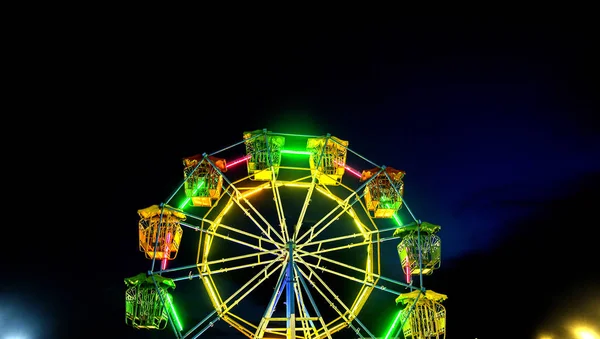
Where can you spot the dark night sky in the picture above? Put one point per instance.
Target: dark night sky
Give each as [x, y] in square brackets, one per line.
[493, 119]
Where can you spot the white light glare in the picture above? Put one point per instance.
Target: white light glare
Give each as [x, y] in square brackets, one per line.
[585, 333]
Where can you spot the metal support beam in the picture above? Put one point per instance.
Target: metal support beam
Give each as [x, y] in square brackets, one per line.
[410, 310]
[312, 302]
[200, 324]
[236, 199]
[164, 306]
[419, 244]
[260, 330]
[290, 288]
[310, 189]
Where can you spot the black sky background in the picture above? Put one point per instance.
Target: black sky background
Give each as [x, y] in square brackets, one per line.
[493, 118]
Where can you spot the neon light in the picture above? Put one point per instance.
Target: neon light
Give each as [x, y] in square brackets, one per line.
[173, 313]
[352, 171]
[193, 194]
[397, 218]
[407, 266]
[211, 291]
[238, 161]
[393, 325]
[249, 193]
[289, 151]
[349, 169]
[163, 264]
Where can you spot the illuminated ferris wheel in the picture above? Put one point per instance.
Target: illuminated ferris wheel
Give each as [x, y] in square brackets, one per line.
[289, 247]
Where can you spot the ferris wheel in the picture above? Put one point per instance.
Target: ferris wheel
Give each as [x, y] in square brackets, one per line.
[290, 247]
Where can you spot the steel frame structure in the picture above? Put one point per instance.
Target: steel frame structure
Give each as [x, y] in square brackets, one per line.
[288, 248]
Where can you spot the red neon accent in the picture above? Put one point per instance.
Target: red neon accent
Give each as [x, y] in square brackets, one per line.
[407, 265]
[348, 168]
[163, 264]
[352, 171]
[238, 161]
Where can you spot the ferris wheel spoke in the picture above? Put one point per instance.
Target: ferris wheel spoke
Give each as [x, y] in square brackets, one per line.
[226, 306]
[339, 248]
[360, 281]
[360, 270]
[239, 267]
[344, 204]
[314, 231]
[219, 261]
[300, 286]
[314, 305]
[307, 322]
[365, 233]
[237, 320]
[270, 228]
[279, 208]
[310, 232]
[367, 241]
[221, 307]
[248, 234]
[335, 296]
[208, 241]
[223, 270]
[325, 297]
[235, 198]
[233, 268]
[311, 189]
[239, 257]
[244, 197]
[348, 316]
[264, 321]
[302, 311]
[237, 195]
[339, 263]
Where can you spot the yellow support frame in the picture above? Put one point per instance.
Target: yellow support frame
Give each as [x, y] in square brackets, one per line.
[244, 191]
[284, 248]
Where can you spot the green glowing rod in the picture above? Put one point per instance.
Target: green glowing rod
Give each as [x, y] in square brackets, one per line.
[173, 313]
[393, 324]
[189, 198]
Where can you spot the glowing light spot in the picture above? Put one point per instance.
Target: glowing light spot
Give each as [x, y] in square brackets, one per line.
[585, 333]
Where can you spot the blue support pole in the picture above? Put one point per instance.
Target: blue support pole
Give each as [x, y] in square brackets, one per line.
[314, 305]
[277, 297]
[200, 323]
[236, 144]
[290, 288]
[360, 156]
[211, 324]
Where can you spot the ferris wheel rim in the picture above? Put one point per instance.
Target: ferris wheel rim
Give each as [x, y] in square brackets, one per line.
[278, 259]
[348, 313]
